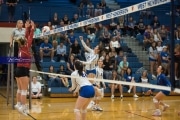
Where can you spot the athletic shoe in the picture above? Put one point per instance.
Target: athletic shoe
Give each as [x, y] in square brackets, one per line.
[94, 108]
[91, 104]
[49, 89]
[24, 110]
[135, 96]
[98, 108]
[112, 96]
[165, 107]
[17, 106]
[129, 91]
[157, 113]
[121, 97]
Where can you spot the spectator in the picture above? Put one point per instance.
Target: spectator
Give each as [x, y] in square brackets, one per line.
[123, 66]
[130, 78]
[156, 36]
[153, 55]
[155, 23]
[114, 86]
[35, 88]
[66, 20]
[75, 19]
[75, 49]
[70, 64]
[117, 31]
[141, 26]
[159, 48]
[163, 32]
[106, 36]
[92, 32]
[107, 67]
[97, 10]
[46, 49]
[145, 80]
[61, 52]
[37, 31]
[81, 9]
[148, 38]
[72, 38]
[90, 10]
[119, 58]
[115, 44]
[63, 79]
[53, 78]
[11, 9]
[102, 5]
[165, 61]
[49, 24]
[121, 24]
[113, 25]
[131, 25]
[55, 20]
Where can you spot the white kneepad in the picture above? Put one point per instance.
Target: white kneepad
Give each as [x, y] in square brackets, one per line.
[83, 111]
[155, 100]
[76, 110]
[18, 91]
[23, 92]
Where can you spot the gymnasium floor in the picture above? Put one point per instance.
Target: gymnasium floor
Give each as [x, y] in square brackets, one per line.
[62, 109]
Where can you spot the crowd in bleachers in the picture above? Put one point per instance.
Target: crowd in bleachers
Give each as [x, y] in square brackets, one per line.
[63, 48]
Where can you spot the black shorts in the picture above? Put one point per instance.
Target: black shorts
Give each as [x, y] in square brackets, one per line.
[22, 72]
[34, 93]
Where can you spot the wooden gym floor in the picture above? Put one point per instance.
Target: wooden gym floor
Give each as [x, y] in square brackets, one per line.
[117, 109]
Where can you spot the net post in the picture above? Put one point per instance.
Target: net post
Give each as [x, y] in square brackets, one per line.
[12, 78]
[30, 95]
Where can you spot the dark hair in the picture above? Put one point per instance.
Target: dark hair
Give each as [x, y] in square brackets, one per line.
[50, 67]
[162, 69]
[130, 72]
[79, 67]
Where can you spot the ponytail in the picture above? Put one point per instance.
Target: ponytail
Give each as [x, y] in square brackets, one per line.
[79, 67]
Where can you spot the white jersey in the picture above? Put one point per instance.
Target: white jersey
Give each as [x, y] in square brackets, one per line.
[81, 81]
[99, 75]
[35, 87]
[91, 57]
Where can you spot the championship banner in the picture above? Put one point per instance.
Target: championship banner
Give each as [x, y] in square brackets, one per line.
[107, 16]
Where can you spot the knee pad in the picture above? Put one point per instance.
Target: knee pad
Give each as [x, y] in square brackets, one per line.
[83, 111]
[18, 91]
[23, 92]
[76, 110]
[155, 100]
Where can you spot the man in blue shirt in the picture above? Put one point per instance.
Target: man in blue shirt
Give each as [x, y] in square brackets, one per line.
[46, 49]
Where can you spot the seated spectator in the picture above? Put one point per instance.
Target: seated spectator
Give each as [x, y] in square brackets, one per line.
[153, 55]
[70, 64]
[35, 88]
[53, 78]
[123, 66]
[71, 38]
[165, 61]
[55, 20]
[155, 23]
[66, 20]
[91, 32]
[118, 58]
[141, 27]
[114, 86]
[90, 10]
[46, 49]
[75, 19]
[63, 79]
[115, 44]
[121, 23]
[107, 67]
[97, 10]
[61, 52]
[75, 49]
[159, 48]
[163, 32]
[177, 33]
[148, 38]
[145, 80]
[130, 78]
[106, 35]
[81, 9]
[113, 25]
[131, 25]
[156, 36]
[117, 31]
[102, 5]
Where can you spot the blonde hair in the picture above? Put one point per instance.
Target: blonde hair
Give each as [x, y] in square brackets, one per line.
[19, 21]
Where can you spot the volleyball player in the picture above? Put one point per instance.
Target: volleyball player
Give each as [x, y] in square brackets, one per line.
[22, 70]
[99, 75]
[161, 80]
[86, 91]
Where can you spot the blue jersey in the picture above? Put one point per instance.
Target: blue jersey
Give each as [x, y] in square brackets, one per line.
[161, 80]
[128, 77]
[164, 55]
